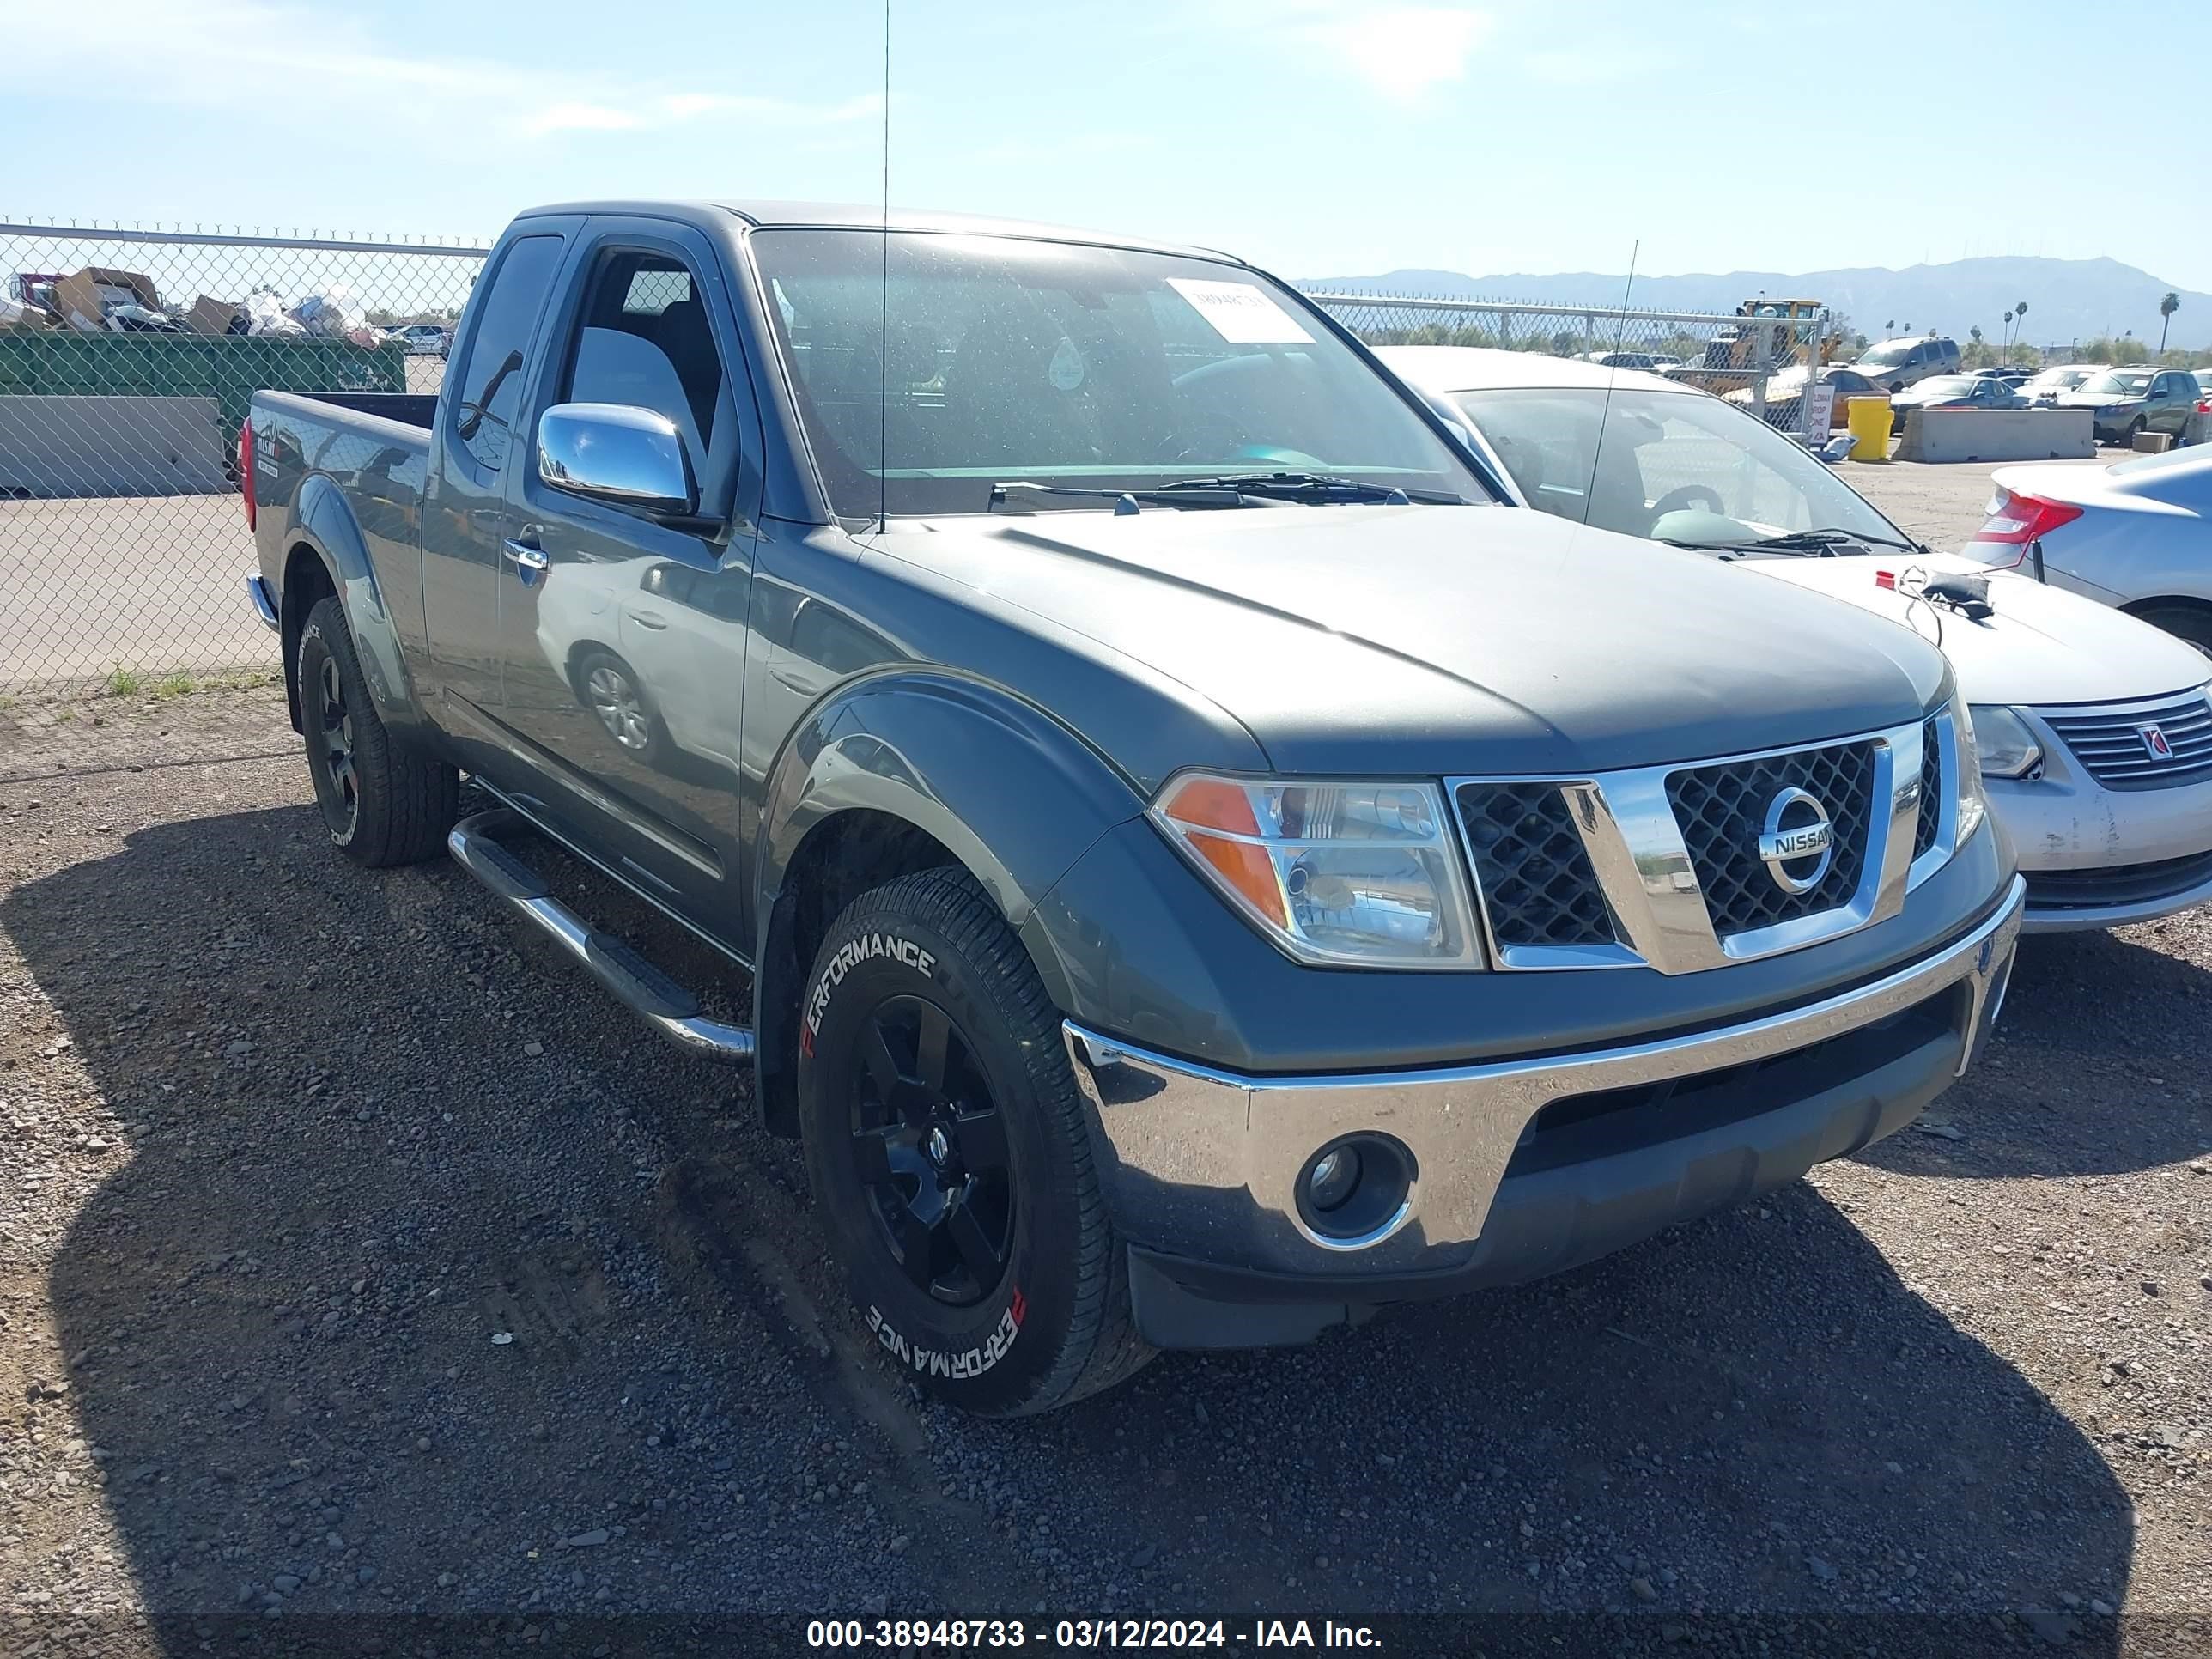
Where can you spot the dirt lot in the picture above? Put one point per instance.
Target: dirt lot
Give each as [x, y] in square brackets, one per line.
[357, 1258]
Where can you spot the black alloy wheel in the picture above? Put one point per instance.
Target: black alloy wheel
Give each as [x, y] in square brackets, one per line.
[929, 1146]
[332, 752]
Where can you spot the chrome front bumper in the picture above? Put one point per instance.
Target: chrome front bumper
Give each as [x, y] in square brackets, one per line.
[1201, 1164]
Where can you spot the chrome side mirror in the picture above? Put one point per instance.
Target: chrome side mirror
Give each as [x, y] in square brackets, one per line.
[617, 453]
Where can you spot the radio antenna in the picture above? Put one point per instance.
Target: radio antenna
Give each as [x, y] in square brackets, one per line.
[1612, 374]
[884, 311]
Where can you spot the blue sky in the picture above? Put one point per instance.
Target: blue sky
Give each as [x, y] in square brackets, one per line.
[1316, 138]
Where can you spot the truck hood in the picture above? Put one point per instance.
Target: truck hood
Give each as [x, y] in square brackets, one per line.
[2043, 646]
[1435, 640]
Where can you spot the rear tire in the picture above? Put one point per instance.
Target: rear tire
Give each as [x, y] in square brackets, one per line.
[383, 802]
[946, 1143]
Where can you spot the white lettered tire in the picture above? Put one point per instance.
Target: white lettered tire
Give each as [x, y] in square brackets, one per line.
[945, 1142]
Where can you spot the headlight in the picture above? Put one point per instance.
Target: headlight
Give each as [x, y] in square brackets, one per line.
[1973, 806]
[1339, 873]
[2002, 743]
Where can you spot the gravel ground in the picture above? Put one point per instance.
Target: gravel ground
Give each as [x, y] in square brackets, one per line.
[356, 1256]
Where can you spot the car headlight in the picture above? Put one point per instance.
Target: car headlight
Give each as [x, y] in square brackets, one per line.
[1973, 805]
[1349, 872]
[2002, 743]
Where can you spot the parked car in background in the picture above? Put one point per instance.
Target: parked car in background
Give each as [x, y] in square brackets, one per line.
[2045, 386]
[1645, 360]
[2112, 827]
[1788, 385]
[1953, 392]
[421, 339]
[2011, 374]
[1200, 863]
[2128, 401]
[2136, 534]
[1894, 365]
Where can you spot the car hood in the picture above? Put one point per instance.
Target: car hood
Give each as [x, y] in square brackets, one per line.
[2098, 399]
[2043, 646]
[1425, 640]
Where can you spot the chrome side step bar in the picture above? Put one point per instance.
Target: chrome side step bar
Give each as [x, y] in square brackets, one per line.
[657, 1000]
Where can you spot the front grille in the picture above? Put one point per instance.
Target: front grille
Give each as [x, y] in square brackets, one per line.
[1721, 809]
[2111, 745]
[1931, 789]
[1537, 884]
[2116, 884]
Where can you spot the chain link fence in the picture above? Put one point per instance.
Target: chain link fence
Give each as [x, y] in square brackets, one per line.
[128, 358]
[1755, 357]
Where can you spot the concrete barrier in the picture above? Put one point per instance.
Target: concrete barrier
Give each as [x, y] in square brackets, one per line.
[71, 445]
[1999, 434]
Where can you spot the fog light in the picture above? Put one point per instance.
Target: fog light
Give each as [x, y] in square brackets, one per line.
[1355, 1192]
[1332, 1178]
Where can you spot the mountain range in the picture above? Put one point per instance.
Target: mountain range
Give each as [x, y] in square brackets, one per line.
[2067, 300]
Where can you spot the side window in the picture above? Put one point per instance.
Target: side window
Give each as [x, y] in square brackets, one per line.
[644, 340]
[492, 375]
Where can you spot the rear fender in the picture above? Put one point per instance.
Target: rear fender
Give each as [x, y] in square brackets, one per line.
[324, 522]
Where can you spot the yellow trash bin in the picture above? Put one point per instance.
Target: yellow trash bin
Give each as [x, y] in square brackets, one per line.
[1870, 425]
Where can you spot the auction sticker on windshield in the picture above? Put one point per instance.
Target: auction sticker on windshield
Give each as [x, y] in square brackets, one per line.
[1241, 313]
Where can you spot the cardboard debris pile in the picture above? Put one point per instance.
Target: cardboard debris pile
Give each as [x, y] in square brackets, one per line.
[100, 301]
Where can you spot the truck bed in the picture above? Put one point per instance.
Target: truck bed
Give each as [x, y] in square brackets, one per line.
[407, 408]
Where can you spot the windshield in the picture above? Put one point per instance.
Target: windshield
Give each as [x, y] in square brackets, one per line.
[1945, 386]
[1888, 356]
[982, 359]
[2061, 379]
[1679, 465]
[2119, 381]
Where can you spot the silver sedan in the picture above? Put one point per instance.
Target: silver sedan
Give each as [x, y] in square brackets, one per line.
[2136, 535]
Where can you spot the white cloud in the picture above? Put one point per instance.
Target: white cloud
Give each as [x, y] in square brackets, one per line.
[1400, 52]
[240, 54]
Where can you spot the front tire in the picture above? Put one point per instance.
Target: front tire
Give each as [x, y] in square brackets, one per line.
[383, 803]
[946, 1143]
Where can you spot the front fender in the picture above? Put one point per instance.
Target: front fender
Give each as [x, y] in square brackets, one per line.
[324, 521]
[1013, 794]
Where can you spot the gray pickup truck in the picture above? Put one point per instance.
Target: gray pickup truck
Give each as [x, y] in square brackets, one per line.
[1205, 869]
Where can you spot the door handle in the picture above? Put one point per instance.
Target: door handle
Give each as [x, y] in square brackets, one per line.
[652, 619]
[529, 556]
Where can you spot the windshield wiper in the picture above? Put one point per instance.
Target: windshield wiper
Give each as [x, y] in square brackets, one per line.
[1814, 544]
[1222, 496]
[1317, 487]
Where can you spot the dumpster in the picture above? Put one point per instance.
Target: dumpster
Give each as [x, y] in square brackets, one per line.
[228, 368]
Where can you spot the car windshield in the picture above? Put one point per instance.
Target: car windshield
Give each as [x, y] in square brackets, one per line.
[2117, 379]
[2062, 380]
[1946, 386]
[928, 368]
[1675, 464]
[1888, 356]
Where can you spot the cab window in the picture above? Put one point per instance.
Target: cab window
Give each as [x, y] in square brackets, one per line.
[643, 340]
[491, 374]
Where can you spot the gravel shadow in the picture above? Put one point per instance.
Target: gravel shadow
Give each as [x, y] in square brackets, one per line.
[2098, 1068]
[378, 1137]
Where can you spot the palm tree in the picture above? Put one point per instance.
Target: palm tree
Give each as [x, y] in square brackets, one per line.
[2018, 311]
[2167, 307]
[2007, 337]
